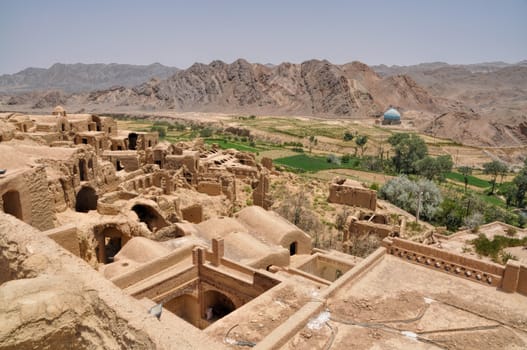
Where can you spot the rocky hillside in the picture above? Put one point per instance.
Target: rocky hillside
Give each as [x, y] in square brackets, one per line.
[81, 77]
[496, 89]
[311, 88]
[473, 129]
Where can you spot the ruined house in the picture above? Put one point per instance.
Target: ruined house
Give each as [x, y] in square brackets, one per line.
[138, 247]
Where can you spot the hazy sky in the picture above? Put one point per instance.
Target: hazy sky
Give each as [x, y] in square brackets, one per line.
[38, 33]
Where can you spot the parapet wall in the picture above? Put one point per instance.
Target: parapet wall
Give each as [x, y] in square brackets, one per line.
[475, 270]
[515, 277]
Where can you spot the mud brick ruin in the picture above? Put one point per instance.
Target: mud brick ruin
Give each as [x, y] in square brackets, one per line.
[99, 225]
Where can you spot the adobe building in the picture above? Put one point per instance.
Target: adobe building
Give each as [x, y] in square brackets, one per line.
[140, 247]
[352, 193]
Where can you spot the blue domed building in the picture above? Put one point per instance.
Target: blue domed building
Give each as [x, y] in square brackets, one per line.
[391, 117]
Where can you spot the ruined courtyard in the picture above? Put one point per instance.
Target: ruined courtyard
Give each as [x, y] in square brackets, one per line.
[100, 225]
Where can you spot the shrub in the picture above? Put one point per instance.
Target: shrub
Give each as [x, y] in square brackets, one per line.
[348, 136]
[506, 256]
[206, 132]
[331, 158]
[486, 247]
[474, 221]
[161, 130]
[511, 232]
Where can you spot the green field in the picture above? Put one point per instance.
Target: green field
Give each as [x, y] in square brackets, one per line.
[240, 146]
[311, 163]
[472, 180]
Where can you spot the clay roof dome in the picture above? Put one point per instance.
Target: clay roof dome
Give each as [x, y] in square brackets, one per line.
[392, 114]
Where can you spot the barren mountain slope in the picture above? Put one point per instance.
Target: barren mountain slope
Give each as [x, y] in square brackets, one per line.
[497, 89]
[81, 77]
[310, 88]
[472, 129]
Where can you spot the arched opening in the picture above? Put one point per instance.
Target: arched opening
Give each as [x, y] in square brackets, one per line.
[110, 242]
[153, 220]
[293, 248]
[97, 121]
[132, 141]
[82, 169]
[118, 165]
[216, 305]
[90, 164]
[86, 200]
[62, 127]
[24, 126]
[12, 204]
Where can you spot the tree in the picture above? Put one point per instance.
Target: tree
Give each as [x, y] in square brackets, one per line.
[465, 171]
[405, 193]
[427, 167]
[494, 168]
[408, 149]
[312, 141]
[206, 132]
[520, 182]
[348, 136]
[297, 209]
[444, 164]
[510, 191]
[361, 141]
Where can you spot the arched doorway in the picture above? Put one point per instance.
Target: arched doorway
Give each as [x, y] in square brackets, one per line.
[86, 200]
[216, 305]
[293, 248]
[153, 220]
[12, 205]
[132, 141]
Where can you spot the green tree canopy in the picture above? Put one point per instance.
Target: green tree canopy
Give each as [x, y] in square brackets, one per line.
[408, 149]
[494, 169]
[465, 171]
[434, 168]
[520, 182]
[360, 141]
[348, 136]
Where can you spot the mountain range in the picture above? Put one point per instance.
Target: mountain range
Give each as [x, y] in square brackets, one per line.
[489, 100]
[494, 88]
[81, 77]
